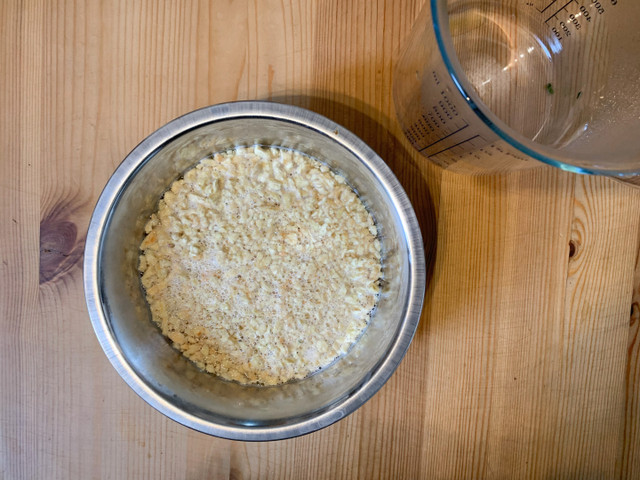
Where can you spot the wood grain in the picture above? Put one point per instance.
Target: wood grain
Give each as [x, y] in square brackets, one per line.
[628, 463]
[526, 363]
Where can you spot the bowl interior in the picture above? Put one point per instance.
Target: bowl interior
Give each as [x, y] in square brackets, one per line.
[163, 369]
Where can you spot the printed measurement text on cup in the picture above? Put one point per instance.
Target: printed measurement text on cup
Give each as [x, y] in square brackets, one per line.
[567, 18]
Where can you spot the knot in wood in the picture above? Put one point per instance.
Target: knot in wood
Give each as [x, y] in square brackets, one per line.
[60, 248]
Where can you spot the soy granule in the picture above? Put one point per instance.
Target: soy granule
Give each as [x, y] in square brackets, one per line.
[261, 265]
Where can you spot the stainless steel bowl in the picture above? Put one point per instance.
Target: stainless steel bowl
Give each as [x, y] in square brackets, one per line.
[164, 377]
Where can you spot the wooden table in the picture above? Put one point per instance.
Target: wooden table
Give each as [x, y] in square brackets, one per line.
[526, 363]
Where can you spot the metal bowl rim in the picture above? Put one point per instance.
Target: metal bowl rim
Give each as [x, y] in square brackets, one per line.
[305, 118]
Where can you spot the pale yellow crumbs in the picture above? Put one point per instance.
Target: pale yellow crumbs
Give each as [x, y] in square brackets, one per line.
[261, 265]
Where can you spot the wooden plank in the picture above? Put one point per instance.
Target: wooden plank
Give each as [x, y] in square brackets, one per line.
[525, 373]
[604, 244]
[628, 465]
[20, 391]
[491, 315]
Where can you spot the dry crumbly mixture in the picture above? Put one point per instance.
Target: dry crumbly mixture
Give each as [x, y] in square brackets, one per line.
[261, 265]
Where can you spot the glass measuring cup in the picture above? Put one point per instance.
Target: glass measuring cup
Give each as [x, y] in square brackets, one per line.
[556, 80]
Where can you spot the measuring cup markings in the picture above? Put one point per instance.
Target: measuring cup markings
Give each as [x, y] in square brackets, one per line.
[564, 28]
